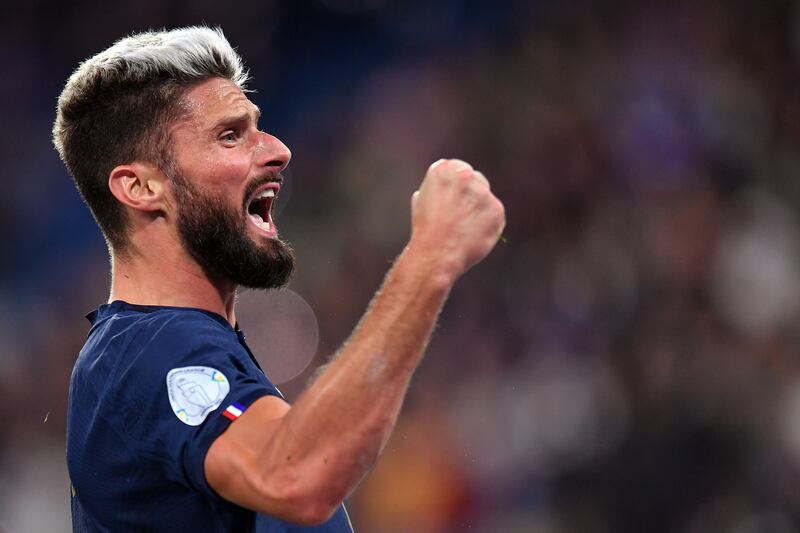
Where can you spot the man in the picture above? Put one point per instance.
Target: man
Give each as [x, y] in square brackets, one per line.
[172, 426]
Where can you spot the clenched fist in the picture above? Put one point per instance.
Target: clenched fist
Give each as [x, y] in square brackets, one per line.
[455, 218]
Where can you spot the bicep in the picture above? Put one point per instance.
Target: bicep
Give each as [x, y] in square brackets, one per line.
[234, 463]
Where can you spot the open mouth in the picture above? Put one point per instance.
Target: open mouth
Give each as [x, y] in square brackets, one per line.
[259, 210]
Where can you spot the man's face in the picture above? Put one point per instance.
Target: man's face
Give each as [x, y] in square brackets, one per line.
[225, 181]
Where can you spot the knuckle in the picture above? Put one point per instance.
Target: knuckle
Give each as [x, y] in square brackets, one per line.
[464, 176]
[437, 163]
[443, 177]
[501, 208]
[460, 164]
[441, 168]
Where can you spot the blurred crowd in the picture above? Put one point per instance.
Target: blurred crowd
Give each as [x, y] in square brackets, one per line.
[626, 359]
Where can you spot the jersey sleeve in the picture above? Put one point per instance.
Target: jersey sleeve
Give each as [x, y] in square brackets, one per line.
[183, 382]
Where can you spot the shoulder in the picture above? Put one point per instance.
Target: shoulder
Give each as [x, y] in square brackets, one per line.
[184, 325]
[170, 331]
[173, 358]
[129, 342]
[142, 347]
[174, 337]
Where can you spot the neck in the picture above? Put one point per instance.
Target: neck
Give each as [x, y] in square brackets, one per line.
[169, 276]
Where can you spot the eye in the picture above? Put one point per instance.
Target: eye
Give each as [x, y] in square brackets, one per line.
[229, 136]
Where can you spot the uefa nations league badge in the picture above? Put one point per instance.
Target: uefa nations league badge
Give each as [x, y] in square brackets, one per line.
[195, 391]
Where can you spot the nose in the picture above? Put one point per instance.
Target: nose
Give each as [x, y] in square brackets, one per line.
[272, 153]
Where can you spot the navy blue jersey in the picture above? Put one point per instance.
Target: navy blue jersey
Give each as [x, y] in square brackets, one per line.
[150, 392]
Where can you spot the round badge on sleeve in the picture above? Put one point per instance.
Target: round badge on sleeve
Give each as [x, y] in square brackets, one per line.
[195, 391]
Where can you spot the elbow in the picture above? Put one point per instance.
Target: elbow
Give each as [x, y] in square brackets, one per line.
[302, 501]
[309, 492]
[312, 513]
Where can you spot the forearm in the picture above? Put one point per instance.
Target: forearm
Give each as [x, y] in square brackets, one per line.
[299, 462]
[337, 428]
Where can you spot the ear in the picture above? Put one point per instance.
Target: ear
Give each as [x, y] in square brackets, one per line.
[139, 186]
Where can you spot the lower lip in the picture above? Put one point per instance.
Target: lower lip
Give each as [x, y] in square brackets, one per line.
[272, 232]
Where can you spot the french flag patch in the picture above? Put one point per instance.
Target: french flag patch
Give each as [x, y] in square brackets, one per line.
[233, 411]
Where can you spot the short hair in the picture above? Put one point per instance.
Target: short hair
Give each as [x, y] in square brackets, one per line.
[117, 107]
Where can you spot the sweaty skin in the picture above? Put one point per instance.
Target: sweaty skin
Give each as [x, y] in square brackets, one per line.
[300, 462]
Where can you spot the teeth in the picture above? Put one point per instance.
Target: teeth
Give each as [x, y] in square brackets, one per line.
[265, 225]
[269, 193]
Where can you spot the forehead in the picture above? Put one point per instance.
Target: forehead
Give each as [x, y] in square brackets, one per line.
[215, 99]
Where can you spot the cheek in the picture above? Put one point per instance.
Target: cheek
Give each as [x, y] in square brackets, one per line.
[226, 173]
[224, 176]
[214, 169]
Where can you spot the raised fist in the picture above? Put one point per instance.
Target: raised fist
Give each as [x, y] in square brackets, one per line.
[455, 218]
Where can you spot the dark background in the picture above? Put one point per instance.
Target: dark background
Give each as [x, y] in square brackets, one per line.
[626, 362]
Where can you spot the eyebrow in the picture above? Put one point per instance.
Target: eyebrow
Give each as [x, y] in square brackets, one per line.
[239, 117]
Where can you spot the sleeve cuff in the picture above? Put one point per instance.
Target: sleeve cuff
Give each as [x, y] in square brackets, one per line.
[213, 427]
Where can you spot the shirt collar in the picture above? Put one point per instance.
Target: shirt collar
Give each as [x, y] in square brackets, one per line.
[108, 310]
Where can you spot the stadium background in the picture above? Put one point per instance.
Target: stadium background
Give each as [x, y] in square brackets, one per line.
[627, 361]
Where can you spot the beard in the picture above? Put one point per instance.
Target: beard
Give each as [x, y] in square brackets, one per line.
[215, 235]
